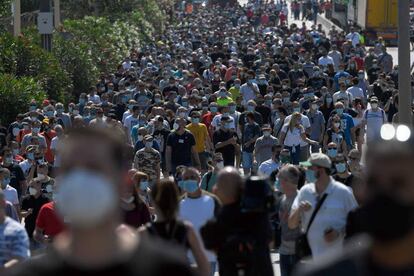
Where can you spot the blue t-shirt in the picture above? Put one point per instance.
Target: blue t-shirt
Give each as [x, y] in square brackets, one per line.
[13, 241]
[347, 123]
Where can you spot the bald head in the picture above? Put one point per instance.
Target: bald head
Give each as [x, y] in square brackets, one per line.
[229, 185]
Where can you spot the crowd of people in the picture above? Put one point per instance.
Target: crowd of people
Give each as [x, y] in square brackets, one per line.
[230, 109]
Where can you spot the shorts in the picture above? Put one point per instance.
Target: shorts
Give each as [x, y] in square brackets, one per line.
[247, 160]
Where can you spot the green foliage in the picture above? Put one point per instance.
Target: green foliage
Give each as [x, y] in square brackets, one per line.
[16, 94]
[22, 57]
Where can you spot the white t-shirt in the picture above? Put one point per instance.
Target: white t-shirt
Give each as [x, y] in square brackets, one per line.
[304, 121]
[248, 93]
[25, 166]
[130, 122]
[374, 120]
[342, 95]
[293, 138]
[356, 92]
[95, 99]
[354, 37]
[198, 211]
[54, 145]
[125, 115]
[324, 61]
[217, 121]
[332, 214]
[10, 194]
[267, 167]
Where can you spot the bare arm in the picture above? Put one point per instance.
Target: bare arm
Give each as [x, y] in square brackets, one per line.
[199, 255]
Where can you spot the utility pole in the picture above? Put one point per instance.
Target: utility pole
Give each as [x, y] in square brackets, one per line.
[45, 24]
[16, 18]
[404, 77]
[56, 11]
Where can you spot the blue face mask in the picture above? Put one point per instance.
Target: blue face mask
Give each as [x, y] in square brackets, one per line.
[340, 167]
[250, 108]
[232, 108]
[185, 104]
[310, 176]
[195, 120]
[143, 185]
[277, 185]
[30, 156]
[82, 101]
[32, 108]
[296, 109]
[339, 111]
[50, 113]
[332, 152]
[190, 186]
[213, 109]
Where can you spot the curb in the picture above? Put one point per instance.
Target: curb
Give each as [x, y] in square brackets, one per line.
[327, 23]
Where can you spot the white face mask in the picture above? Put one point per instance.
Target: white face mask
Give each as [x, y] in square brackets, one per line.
[128, 200]
[220, 165]
[148, 144]
[40, 175]
[140, 137]
[49, 188]
[32, 191]
[85, 198]
[176, 126]
[374, 105]
[266, 133]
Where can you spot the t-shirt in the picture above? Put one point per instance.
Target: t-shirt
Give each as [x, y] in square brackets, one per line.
[13, 241]
[288, 235]
[317, 120]
[375, 120]
[130, 122]
[150, 258]
[293, 137]
[247, 92]
[49, 221]
[304, 121]
[267, 167]
[235, 92]
[200, 135]
[10, 194]
[249, 132]
[198, 211]
[16, 176]
[30, 202]
[224, 101]
[148, 161]
[263, 148]
[181, 146]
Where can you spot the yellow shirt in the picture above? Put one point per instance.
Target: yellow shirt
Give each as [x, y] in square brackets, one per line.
[200, 135]
[224, 101]
[235, 92]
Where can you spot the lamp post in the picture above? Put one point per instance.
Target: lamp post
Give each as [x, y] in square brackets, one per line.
[16, 18]
[404, 77]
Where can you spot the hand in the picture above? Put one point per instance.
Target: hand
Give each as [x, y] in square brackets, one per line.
[305, 206]
[330, 235]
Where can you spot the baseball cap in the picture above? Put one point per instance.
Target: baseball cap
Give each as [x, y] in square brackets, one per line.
[318, 160]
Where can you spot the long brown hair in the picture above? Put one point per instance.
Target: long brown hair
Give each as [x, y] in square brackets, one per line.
[166, 198]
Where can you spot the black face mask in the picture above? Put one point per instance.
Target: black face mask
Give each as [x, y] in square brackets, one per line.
[386, 218]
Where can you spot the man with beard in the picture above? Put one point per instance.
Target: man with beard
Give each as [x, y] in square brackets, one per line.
[386, 216]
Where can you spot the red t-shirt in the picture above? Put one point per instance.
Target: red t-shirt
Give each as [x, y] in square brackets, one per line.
[49, 221]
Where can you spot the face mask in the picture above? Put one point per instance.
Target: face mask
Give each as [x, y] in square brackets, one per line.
[16, 131]
[399, 218]
[332, 152]
[237, 86]
[195, 120]
[181, 114]
[232, 108]
[5, 182]
[277, 184]
[157, 100]
[250, 108]
[130, 106]
[340, 167]
[82, 101]
[176, 126]
[266, 133]
[339, 111]
[128, 200]
[75, 203]
[220, 165]
[361, 76]
[49, 188]
[314, 107]
[75, 112]
[8, 160]
[286, 100]
[337, 125]
[32, 191]
[32, 108]
[296, 109]
[50, 113]
[143, 185]
[190, 186]
[310, 176]
[59, 111]
[284, 159]
[35, 130]
[185, 104]
[30, 156]
[374, 105]
[213, 109]
[140, 137]
[148, 144]
[41, 175]
[328, 101]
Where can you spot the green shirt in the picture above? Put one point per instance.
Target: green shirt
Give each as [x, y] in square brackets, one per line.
[224, 101]
[235, 92]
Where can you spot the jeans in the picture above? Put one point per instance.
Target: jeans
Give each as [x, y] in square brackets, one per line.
[213, 266]
[247, 160]
[294, 154]
[287, 263]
